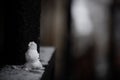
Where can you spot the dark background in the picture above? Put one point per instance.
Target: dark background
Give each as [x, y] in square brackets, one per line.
[20, 24]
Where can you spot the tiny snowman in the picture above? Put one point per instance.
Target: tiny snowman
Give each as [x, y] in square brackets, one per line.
[32, 58]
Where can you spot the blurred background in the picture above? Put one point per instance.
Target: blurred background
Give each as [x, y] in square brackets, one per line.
[56, 30]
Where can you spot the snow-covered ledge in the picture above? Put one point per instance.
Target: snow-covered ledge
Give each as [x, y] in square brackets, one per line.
[46, 53]
[16, 72]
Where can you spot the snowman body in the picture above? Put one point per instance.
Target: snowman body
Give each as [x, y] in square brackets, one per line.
[32, 57]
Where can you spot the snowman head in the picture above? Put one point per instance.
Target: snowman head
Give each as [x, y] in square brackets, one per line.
[32, 45]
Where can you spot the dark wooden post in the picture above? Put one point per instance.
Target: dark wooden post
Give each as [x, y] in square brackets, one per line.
[116, 26]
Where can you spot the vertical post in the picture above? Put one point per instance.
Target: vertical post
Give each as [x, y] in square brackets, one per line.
[117, 39]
